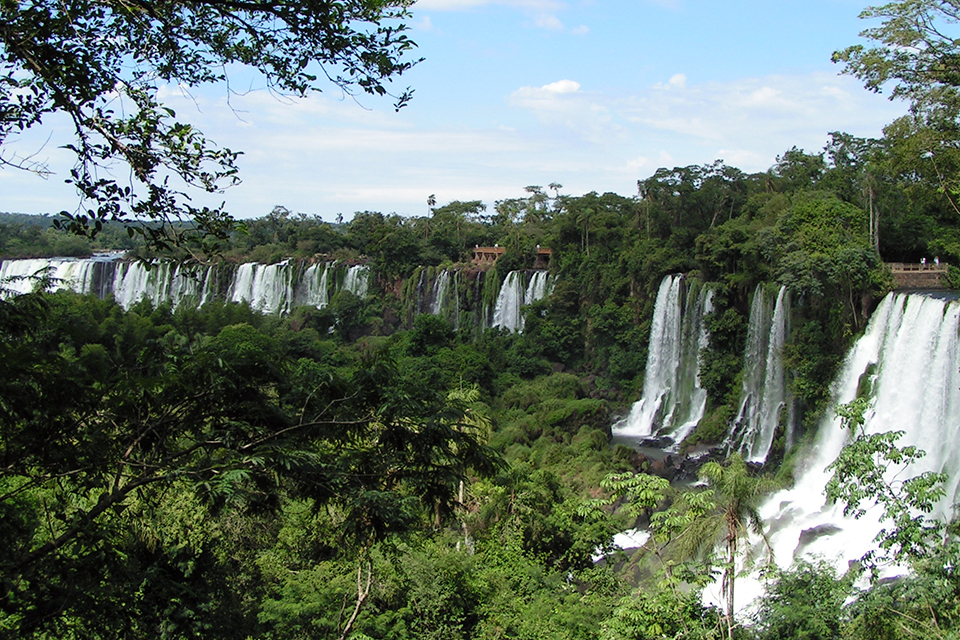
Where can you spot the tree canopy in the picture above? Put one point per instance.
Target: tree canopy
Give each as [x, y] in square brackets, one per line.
[103, 65]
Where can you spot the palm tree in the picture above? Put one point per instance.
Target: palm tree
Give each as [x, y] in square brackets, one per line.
[738, 494]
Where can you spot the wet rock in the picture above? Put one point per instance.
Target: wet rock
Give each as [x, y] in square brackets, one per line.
[808, 536]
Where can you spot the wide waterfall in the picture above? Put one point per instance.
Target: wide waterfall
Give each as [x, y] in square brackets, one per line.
[77, 274]
[279, 287]
[763, 398]
[163, 282]
[513, 295]
[673, 401]
[908, 362]
[267, 287]
[274, 288]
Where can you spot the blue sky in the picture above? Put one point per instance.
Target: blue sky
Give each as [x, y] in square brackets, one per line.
[591, 94]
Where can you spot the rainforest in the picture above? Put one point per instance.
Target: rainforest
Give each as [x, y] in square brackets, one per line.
[725, 407]
[191, 451]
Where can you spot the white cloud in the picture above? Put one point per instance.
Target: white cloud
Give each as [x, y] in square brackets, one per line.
[676, 81]
[548, 97]
[562, 104]
[549, 22]
[582, 30]
[561, 86]
[750, 120]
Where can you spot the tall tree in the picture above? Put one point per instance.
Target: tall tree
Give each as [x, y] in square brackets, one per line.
[915, 53]
[738, 494]
[103, 65]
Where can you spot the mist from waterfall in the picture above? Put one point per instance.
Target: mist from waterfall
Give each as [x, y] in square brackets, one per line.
[672, 402]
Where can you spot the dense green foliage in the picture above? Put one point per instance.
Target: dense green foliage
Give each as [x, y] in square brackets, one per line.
[367, 471]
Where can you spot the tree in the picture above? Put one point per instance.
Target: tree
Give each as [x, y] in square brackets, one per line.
[103, 66]
[738, 494]
[100, 409]
[803, 603]
[867, 471]
[916, 54]
[920, 60]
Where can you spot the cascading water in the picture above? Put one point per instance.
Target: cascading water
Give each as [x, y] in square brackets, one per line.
[506, 313]
[763, 398]
[357, 280]
[19, 276]
[274, 288]
[267, 287]
[440, 292]
[314, 284]
[538, 288]
[673, 401]
[163, 282]
[910, 354]
[513, 295]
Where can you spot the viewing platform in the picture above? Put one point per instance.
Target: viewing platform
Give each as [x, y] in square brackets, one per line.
[489, 255]
[915, 275]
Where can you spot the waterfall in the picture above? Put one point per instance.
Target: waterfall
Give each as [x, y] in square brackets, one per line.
[357, 280]
[910, 355]
[538, 288]
[268, 288]
[445, 299]
[314, 285]
[513, 295]
[763, 397]
[163, 282]
[17, 276]
[278, 288]
[440, 292]
[672, 402]
[506, 313]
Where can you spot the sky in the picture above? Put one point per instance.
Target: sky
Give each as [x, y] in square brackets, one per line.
[591, 94]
